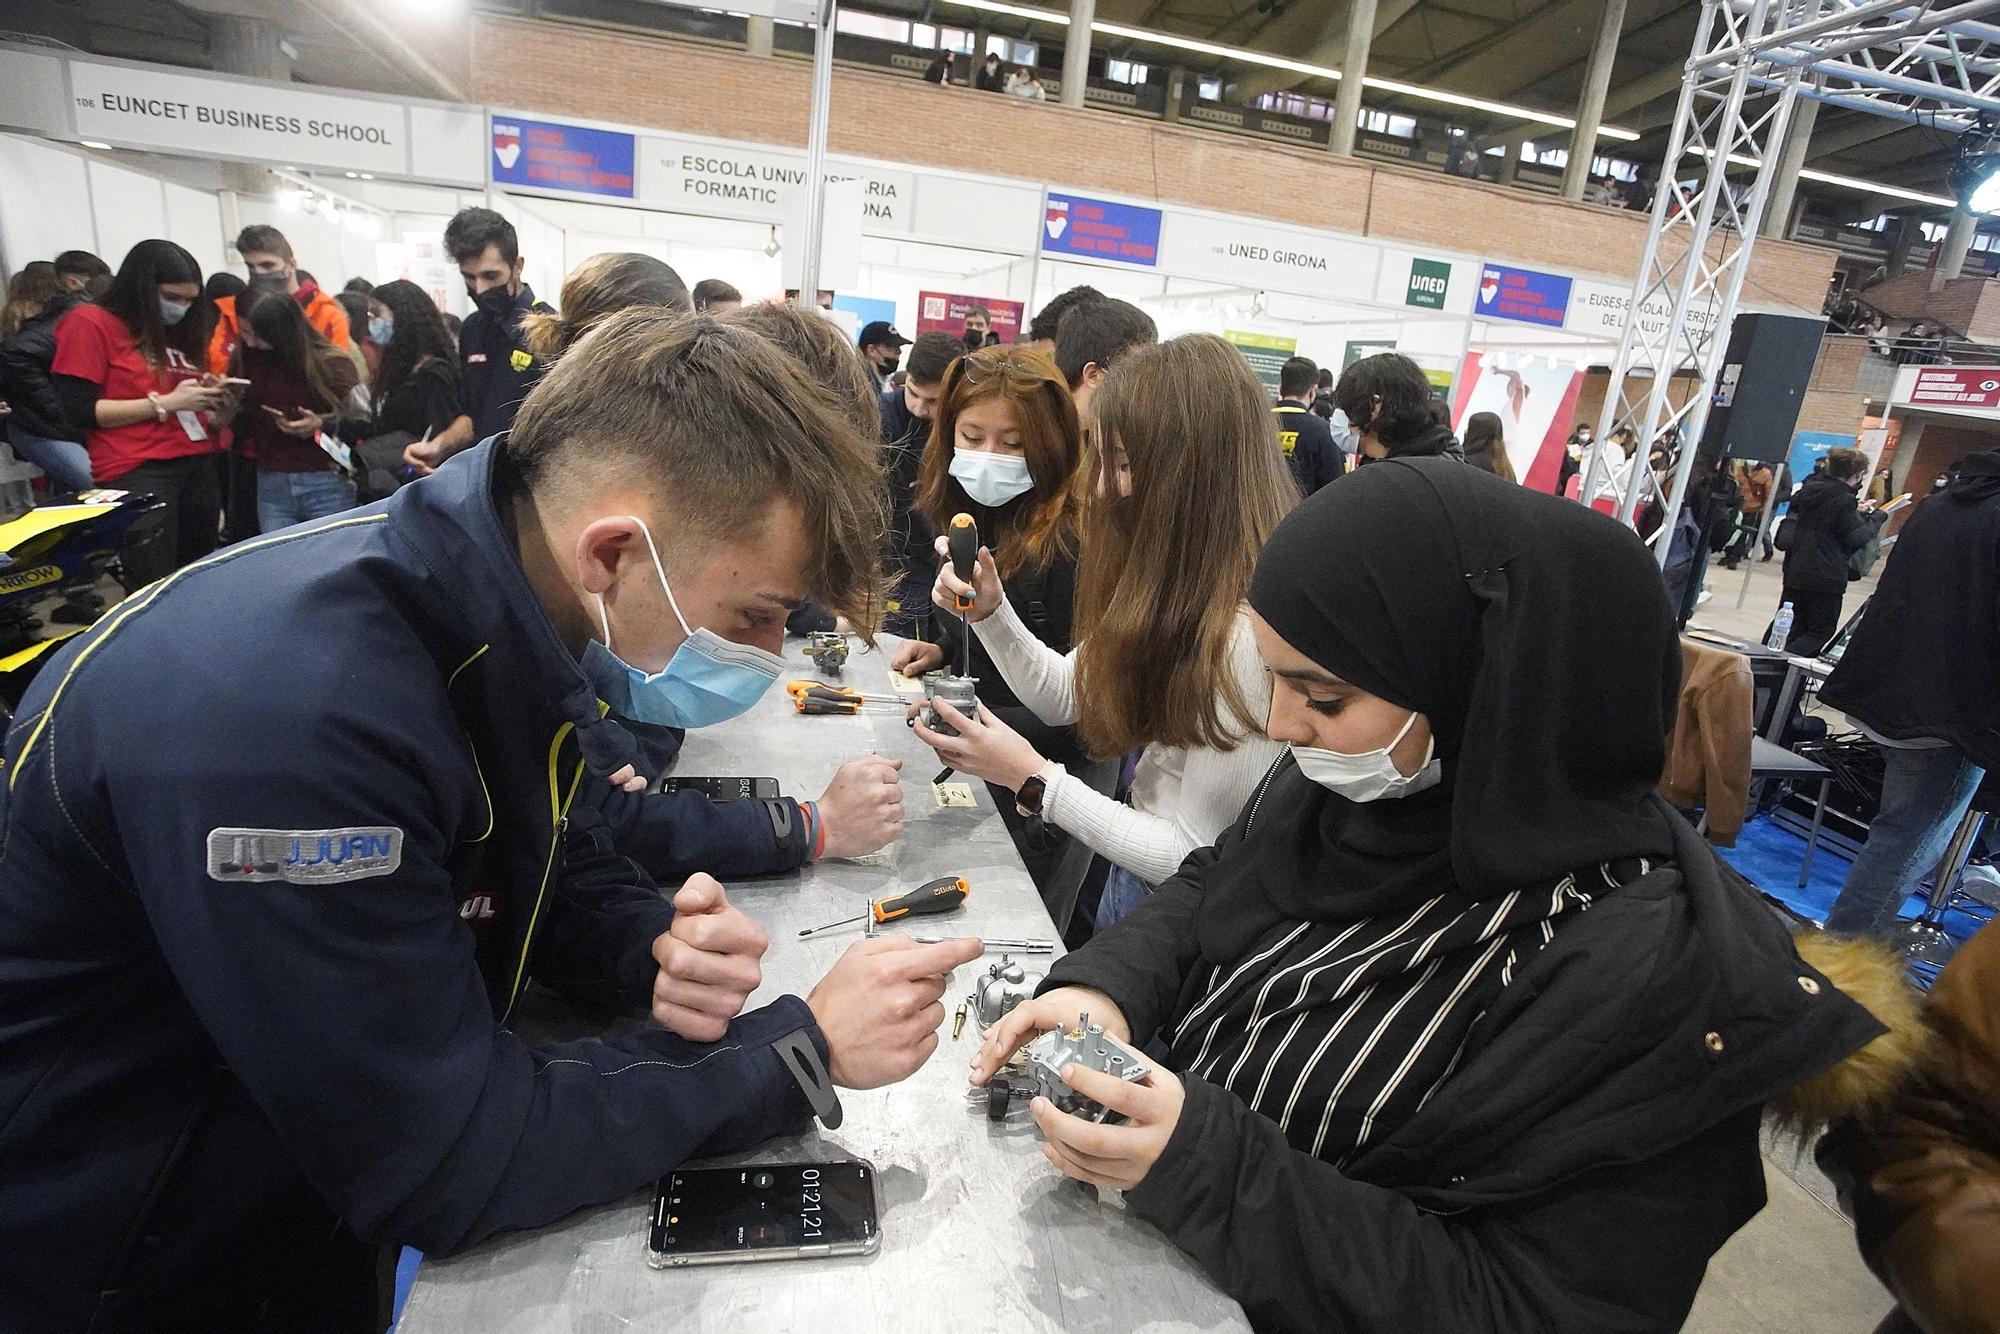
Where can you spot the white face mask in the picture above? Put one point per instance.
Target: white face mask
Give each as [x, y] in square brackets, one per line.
[991, 479]
[1371, 775]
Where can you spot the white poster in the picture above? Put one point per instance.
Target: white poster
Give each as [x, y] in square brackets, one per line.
[730, 180]
[1597, 310]
[1531, 396]
[1250, 252]
[226, 118]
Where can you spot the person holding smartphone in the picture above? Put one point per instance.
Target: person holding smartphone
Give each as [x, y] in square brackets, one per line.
[298, 383]
[129, 372]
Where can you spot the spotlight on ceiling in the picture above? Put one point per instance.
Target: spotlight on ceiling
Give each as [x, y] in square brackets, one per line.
[1975, 174]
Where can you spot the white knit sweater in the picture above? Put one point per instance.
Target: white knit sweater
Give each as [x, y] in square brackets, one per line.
[1180, 800]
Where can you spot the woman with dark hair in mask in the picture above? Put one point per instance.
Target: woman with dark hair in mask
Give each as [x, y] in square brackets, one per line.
[415, 390]
[1459, 1009]
[1393, 410]
[129, 371]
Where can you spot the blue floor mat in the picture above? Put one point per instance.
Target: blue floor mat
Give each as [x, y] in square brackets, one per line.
[406, 1274]
[1768, 856]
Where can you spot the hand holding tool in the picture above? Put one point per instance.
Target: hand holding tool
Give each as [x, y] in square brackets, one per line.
[939, 896]
[964, 548]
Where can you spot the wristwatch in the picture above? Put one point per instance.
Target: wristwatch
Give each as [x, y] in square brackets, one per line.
[1028, 801]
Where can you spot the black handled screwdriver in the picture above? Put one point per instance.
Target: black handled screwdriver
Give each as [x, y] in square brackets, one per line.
[964, 547]
[963, 544]
[939, 896]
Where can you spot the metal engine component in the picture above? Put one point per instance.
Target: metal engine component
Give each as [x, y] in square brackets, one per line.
[961, 692]
[1005, 985]
[1088, 1045]
[828, 650]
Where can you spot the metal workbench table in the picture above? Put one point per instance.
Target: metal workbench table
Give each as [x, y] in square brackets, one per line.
[978, 1231]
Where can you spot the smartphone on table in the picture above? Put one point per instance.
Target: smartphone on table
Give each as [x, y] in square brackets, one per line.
[763, 1211]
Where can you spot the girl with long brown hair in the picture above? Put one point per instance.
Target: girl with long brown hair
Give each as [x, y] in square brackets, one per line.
[299, 383]
[1005, 448]
[1190, 483]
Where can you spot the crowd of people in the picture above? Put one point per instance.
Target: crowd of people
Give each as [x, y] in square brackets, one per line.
[1450, 1004]
[992, 76]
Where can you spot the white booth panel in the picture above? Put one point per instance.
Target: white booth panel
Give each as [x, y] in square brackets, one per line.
[710, 232]
[194, 222]
[127, 207]
[45, 206]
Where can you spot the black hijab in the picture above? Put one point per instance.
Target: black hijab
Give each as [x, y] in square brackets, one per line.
[1532, 632]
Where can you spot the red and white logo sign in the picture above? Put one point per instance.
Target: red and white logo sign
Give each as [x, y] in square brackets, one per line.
[1056, 219]
[506, 144]
[1977, 387]
[1489, 286]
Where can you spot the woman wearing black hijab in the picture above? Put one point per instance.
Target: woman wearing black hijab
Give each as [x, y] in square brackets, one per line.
[1462, 1028]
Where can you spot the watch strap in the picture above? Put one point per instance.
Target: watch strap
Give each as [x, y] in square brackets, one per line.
[801, 1057]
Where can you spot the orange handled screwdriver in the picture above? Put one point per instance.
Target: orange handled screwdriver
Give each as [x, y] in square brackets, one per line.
[817, 697]
[939, 896]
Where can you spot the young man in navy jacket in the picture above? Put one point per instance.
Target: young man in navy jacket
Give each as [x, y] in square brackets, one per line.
[287, 835]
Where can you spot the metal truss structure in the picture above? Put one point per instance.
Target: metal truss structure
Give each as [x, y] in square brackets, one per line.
[1752, 60]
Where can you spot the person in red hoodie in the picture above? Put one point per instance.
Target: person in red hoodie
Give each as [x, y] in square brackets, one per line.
[298, 381]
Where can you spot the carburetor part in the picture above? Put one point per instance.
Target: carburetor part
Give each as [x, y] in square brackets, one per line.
[1005, 985]
[1088, 1045]
[1037, 1069]
[828, 650]
[961, 692]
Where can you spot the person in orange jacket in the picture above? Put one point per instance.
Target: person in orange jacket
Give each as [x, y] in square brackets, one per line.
[268, 256]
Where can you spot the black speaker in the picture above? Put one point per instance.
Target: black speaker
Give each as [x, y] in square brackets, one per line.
[1764, 378]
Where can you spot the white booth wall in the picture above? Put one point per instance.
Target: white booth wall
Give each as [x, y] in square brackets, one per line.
[59, 198]
[735, 251]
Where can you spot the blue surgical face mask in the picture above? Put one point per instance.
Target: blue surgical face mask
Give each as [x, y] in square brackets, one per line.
[991, 479]
[708, 680]
[172, 312]
[380, 329]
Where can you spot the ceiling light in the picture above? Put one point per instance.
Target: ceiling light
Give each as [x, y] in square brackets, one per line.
[1249, 57]
[1975, 174]
[92, 143]
[1845, 182]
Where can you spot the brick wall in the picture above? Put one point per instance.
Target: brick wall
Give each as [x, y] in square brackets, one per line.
[1938, 445]
[570, 69]
[1969, 305]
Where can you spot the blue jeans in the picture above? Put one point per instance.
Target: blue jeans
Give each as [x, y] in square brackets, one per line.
[1924, 795]
[286, 498]
[1123, 892]
[66, 462]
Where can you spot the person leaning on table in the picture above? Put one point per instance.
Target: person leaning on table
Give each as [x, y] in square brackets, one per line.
[266, 915]
[1464, 1028]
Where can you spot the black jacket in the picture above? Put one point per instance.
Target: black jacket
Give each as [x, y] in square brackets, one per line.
[1308, 446]
[1827, 528]
[1609, 1095]
[1925, 660]
[912, 564]
[1434, 440]
[24, 372]
[262, 932]
[1045, 598]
